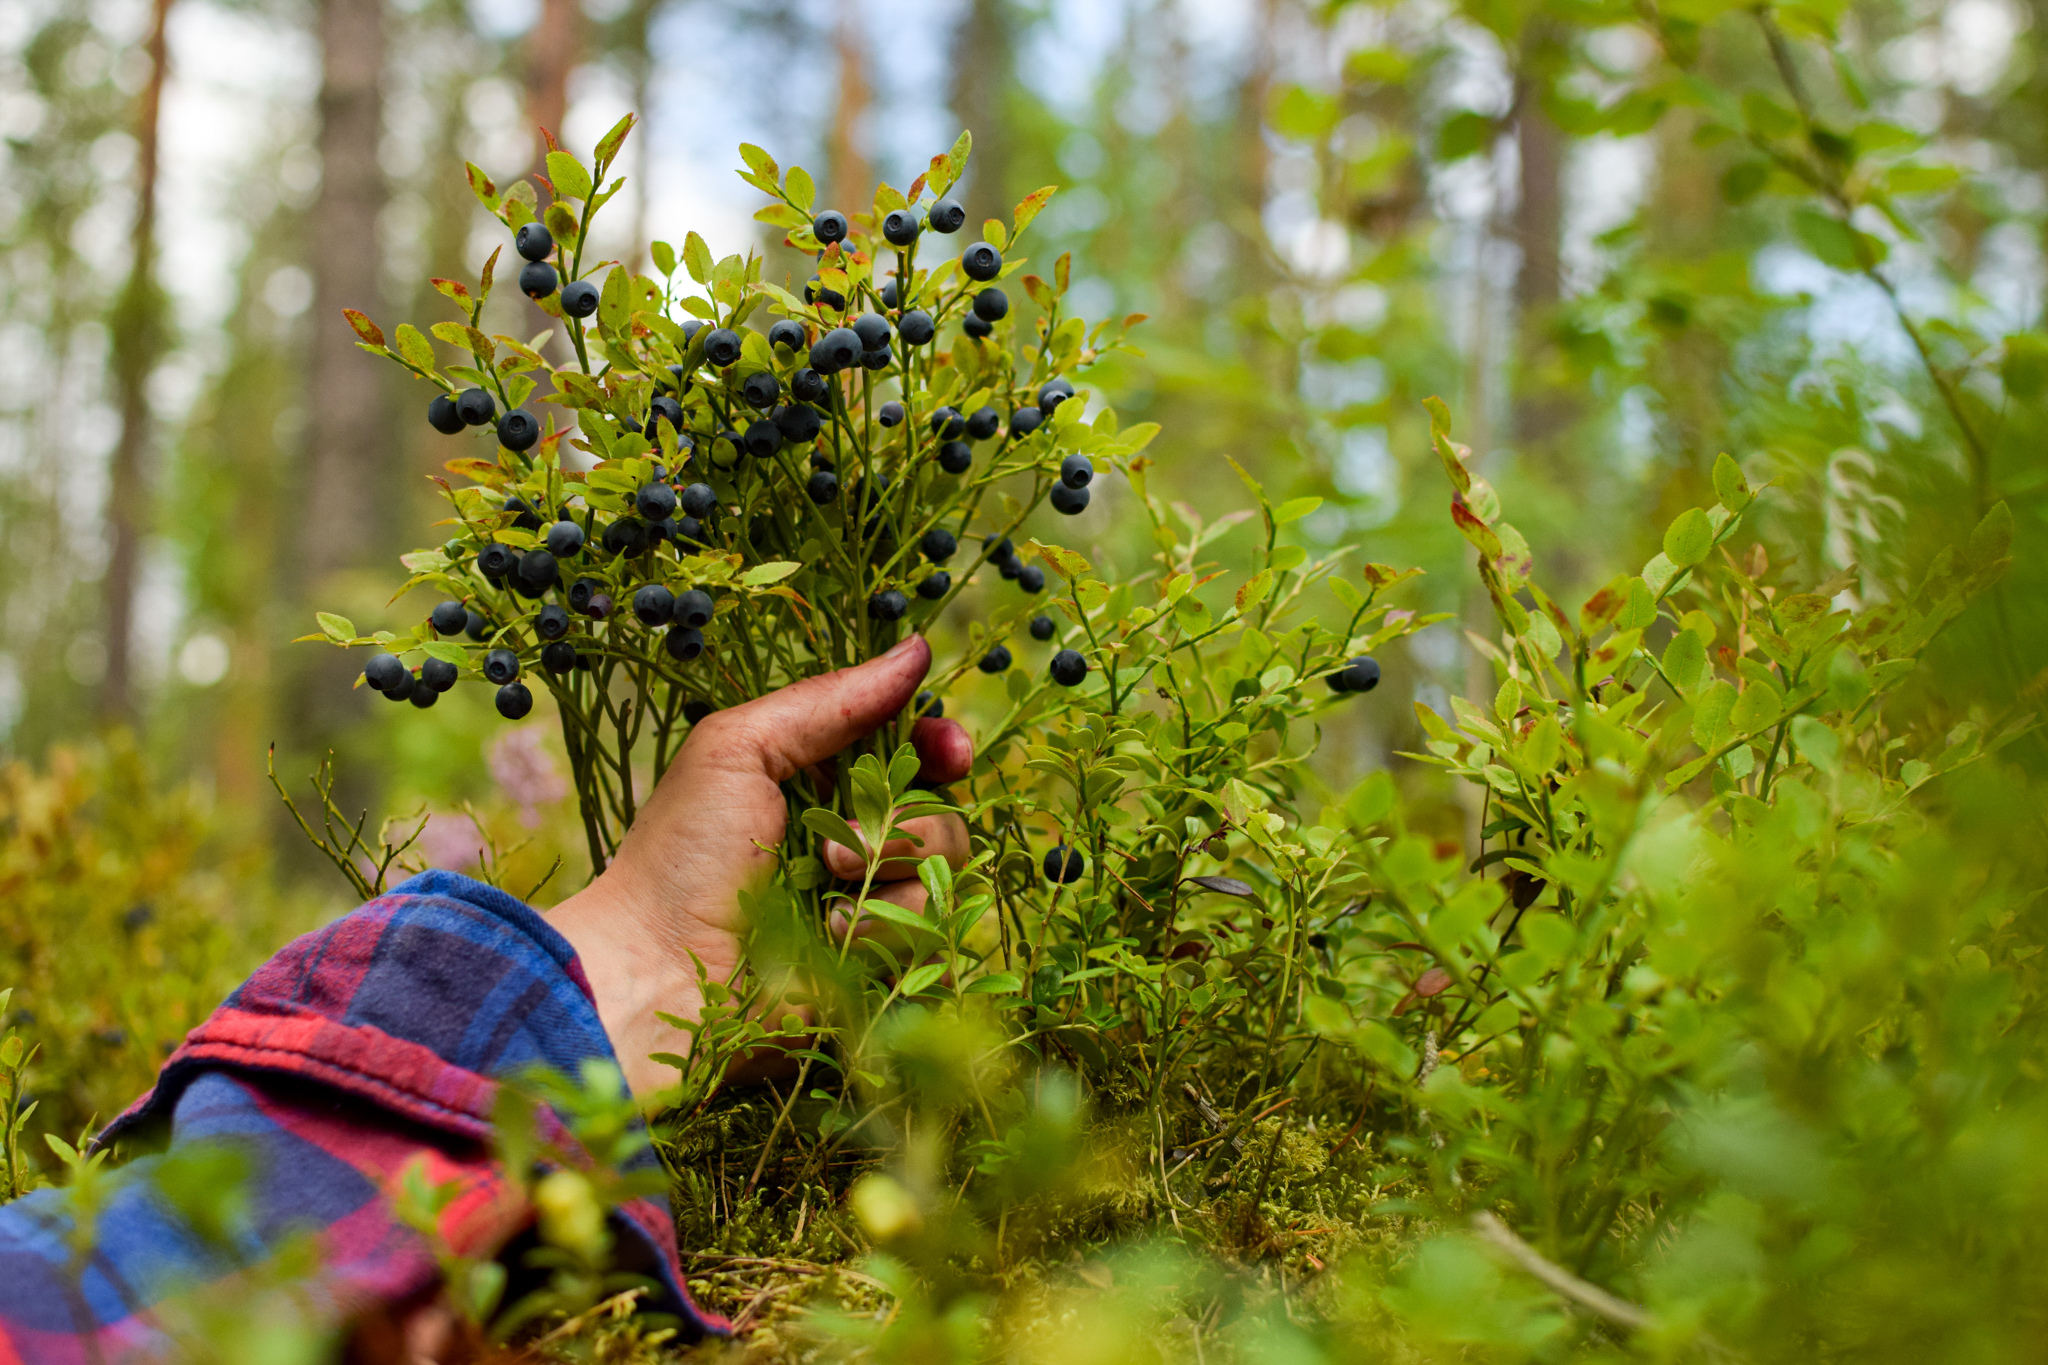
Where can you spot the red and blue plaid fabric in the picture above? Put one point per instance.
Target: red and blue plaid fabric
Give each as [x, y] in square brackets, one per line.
[357, 1050]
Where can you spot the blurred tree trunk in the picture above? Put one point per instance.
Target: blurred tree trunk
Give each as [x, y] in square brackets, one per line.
[549, 61]
[1541, 410]
[848, 177]
[139, 333]
[348, 460]
[983, 67]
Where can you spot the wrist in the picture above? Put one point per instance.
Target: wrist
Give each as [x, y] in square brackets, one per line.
[633, 979]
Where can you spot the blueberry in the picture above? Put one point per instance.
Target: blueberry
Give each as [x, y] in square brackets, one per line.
[1041, 627]
[537, 279]
[816, 292]
[1076, 471]
[449, 618]
[565, 538]
[1009, 568]
[479, 627]
[655, 502]
[722, 347]
[552, 623]
[996, 660]
[763, 439]
[518, 430]
[686, 531]
[599, 608]
[683, 643]
[537, 569]
[526, 588]
[876, 360]
[822, 487]
[514, 701]
[694, 608]
[808, 386]
[948, 424]
[790, 333]
[1024, 421]
[917, 328]
[694, 711]
[443, 417]
[956, 457]
[402, 687]
[892, 297]
[423, 697]
[691, 326]
[939, 544]
[985, 423]
[888, 605]
[626, 536]
[890, 414]
[525, 518]
[927, 704]
[873, 331]
[1064, 865]
[383, 671]
[475, 407]
[829, 226]
[439, 675]
[1068, 668]
[494, 561]
[991, 305]
[981, 262]
[820, 460]
[1031, 578]
[947, 216]
[501, 665]
[699, 500]
[654, 605]
[836, 350]
[1362, 674]
[1052, 393]
[581, 591]
[579, 299]
[979, 328]
[665, 529]
[998, 548]
[664, 408]
[761, 389]
[1069, 501]
[533, 241]
[559, 657]
[900, 227]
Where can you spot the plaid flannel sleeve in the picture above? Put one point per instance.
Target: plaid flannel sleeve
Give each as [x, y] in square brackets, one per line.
[360, 1048]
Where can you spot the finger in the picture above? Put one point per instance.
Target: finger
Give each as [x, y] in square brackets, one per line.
[945, 835]
[808, 722]
[944, 751]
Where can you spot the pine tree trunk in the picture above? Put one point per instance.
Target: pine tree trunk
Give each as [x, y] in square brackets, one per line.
[848, 177]
[345, 429]
[139, 333]
[982, 73]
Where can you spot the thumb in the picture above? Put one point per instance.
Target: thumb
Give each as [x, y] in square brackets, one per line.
[808, 722]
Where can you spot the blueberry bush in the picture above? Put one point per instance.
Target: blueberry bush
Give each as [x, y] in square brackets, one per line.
[1198, 1055]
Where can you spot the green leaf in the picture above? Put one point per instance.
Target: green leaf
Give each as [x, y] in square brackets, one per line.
[760, 163]
[697, 257]
[1028, 209]
[995, 983]
[1829, 238]
[568, 177]
[921, 979]
[1688, 538]
[1816, 743]
[416, 349]
[801, 191]
[1462, 134]
[608, 146]
[664, 257]
[832, 825]
[447, 653]
[937, 875]
[1294, 509]
[482, 186]
[895, 914]
[1729, 485]
[1065, 562]
[1685, 659]
[761, 575]
[1756, 709]
[339, 629]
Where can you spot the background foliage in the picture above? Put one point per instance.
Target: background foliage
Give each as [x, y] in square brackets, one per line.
[1616, 242]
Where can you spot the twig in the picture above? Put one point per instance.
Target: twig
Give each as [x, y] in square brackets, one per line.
[1556, 1278]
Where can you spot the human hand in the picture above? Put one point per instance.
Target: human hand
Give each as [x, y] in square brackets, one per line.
[673, 889]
